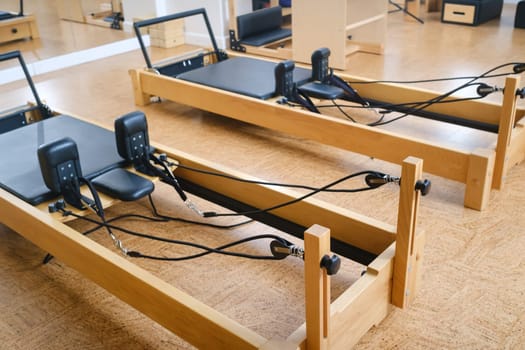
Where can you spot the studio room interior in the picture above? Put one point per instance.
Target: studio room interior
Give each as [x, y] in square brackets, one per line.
[262, 174]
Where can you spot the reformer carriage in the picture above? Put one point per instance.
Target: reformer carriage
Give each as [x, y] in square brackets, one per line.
[393, 254]
[213, 84]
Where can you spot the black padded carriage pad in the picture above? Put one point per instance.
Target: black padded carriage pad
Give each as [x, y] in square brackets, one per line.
[243, 75]
[19, 168]
[124, 185]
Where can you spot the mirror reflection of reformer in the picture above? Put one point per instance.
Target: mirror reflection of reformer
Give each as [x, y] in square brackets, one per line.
[22, 115]
[260, 32]
[268, 94]
[58, 154]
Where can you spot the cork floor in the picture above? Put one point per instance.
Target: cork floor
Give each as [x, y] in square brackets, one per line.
[473, 283]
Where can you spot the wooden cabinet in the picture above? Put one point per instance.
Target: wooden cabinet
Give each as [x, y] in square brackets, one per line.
[18, 28]
[344, 26]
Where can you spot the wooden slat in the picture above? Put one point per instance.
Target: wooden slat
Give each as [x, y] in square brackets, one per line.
[317, 287]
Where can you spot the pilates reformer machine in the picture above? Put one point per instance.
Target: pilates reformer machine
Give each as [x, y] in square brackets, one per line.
[63, 173]
[17, 25]
[280, 96]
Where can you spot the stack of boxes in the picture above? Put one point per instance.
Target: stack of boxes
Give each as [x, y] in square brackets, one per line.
[167, 34]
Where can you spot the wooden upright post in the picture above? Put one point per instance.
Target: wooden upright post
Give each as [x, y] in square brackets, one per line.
[405, 270]
[141, 99]
[506, 124]
[317, 284]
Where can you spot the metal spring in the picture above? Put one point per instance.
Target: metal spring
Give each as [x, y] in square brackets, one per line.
[297, 251]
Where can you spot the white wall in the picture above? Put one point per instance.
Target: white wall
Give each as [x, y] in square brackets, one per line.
[243, 6]
[136, 9]
[195, 29]
[161, 7]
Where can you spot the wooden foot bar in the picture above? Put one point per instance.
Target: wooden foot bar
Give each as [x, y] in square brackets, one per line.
[479, 179]
[338, 325]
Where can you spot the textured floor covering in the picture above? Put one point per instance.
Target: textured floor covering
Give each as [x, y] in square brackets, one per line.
[473, 283]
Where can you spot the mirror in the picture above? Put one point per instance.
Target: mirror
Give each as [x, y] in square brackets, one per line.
[64, 27]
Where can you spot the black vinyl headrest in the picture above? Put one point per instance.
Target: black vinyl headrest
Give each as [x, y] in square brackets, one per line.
[59, 163]
[131, 132]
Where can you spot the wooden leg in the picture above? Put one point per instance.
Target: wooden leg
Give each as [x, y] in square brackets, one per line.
[517, 151]
[479, 179]
[141, 99]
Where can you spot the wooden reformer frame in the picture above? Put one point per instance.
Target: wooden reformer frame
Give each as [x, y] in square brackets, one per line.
[391, 278]
[479, 169]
